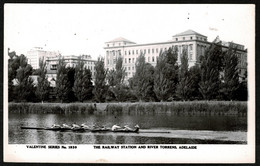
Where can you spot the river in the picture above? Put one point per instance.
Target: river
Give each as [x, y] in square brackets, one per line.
[182, 129]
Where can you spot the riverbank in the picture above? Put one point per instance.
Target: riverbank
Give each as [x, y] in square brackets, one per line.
[189, 108]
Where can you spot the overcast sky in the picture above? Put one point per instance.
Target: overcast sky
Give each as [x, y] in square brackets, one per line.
[83, 29]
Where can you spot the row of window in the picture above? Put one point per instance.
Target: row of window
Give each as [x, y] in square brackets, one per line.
[191, 38]
[129, 73]
[147, 51]
[129, 68]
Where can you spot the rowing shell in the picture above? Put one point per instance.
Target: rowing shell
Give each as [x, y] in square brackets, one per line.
[91, 130]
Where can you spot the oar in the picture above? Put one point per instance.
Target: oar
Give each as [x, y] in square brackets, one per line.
[33, 128]
[154, 132]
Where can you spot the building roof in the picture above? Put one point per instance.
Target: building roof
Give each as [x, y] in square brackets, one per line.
[189, 32]
[120, 39]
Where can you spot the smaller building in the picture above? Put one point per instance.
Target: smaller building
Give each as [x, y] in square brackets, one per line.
[35, 54]
[71, 61]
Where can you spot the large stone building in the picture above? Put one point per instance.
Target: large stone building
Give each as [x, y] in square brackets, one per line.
[194, 42]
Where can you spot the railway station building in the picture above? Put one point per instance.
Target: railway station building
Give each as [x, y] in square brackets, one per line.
[195, 44]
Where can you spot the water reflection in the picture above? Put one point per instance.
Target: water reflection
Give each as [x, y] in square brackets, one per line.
[158, 122]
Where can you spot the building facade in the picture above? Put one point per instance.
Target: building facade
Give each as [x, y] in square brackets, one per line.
[71, 61]
[193, 42]
[35, 54]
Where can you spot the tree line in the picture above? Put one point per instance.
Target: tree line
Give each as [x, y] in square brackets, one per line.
[215, 77]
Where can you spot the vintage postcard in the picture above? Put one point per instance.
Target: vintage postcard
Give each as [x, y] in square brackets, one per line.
[129, 83]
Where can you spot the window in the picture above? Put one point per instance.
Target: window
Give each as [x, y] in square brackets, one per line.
[156, 50]
[183, 38]
[152, 59]
[191, 38]
[191, 46]
[53, 67]
[148, 51]
[129, 68]
[129, 60]
[108, 62]
[136, 51]
[133, 68]
[176, 39]
[144, 51]
[114, 61]
[107, 45]
[190, 57]
[133, 60]
[113, 44]
[125, 52]
[133, 52]
[129, 52]
[125, 60]
[152, 50]
[119, 44]
[148, 59]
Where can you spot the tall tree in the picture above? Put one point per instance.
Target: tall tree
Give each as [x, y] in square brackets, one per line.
[143, 79]
[13, 65]
[211, 65]
[62, 82]
[118, 87]
[184, 85]
[194, 77]
[83, 82]
[166, 74]
[230, 83]
[24, 90]
[71, 79]
[100, 88]
[42, 88]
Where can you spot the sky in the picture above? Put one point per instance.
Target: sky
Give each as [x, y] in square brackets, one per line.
[75, 29]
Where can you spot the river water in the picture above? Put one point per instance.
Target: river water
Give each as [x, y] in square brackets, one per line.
[182, 129]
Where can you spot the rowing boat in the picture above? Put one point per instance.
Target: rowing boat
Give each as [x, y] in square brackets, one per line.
[96, 130]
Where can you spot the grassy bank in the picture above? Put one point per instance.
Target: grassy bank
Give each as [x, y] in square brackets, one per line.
[56, 108]
[190, 108]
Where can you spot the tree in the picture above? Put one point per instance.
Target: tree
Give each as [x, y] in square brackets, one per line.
[194, 77]
[143, 79]
[166, 74]
[111, 77]
[13, 65]
[62, 82]
[42, 88]
[184, 85]
[100, 88]
[116, 80]
[71, 75]
[24, 90]
[230, 83]
[83, 82]
[211, 65]
[242, 92]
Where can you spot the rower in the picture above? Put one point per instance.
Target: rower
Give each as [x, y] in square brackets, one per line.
[64, 125]
[127, 128]
[55, 126]
[84, 126]
[137, 127]
[115, 127]
[74, 125]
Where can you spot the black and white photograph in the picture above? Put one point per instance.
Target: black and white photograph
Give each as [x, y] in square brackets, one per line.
[168, 83]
